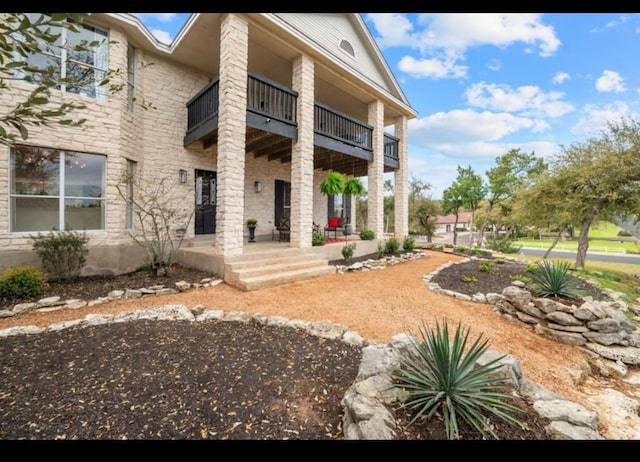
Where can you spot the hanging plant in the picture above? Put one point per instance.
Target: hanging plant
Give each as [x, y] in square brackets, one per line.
[333, 184]
[354, 187]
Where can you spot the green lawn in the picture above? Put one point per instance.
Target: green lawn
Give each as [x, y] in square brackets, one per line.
[595, 245]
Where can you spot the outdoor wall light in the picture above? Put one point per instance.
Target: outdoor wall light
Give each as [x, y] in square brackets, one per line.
[183, 176]
[258, 186]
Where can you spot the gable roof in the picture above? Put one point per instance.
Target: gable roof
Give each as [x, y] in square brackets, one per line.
[463, 217]
[288, 34]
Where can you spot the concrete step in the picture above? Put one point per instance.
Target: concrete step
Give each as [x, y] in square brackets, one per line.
[241, 270]
[277, 279]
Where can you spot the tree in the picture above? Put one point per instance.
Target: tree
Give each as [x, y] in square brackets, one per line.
[511, 173]
[24, 38]
[161, 218]
[423, 210]
[472, 190]
[545, 204]
[452, 200]
[601, 178]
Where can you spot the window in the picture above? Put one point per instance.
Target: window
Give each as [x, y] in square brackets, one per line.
[52, 189]
[347, 48]
[131, 78]
[85, 68]
[131, 175]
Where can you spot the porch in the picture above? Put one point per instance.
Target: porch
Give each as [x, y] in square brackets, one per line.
[268, 263]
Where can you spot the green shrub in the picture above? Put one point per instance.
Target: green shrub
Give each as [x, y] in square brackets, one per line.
[552, 279]
[470, 279]
[623, 233]
[381, 249]
[409, 244]
[317, 239]
[444, 380]
[62, 253]
[531, 267]
[503, 244]
[500, 261]
[522, 278]
[22, 282]
[391, 246]
[487, 266]
[367, 235]
[347, 251]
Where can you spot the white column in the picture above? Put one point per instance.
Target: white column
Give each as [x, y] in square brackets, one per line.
[302, 155]
[401, 181]
[375, 173]
[234, 51]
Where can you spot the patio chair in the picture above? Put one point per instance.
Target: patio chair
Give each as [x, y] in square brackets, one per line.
[284, 229]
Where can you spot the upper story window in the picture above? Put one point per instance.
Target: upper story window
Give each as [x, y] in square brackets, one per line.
[346, 46]
[131, 78]
[77, 69]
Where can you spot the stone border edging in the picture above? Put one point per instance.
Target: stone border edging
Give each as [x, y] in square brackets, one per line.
[366, 403]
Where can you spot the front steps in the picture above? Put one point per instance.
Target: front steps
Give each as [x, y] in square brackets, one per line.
[272, 268]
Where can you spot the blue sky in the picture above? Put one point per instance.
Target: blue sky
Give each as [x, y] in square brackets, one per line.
[484, 83]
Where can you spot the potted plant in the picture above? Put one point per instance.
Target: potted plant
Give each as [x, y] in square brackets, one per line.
[251, 224]
[333, 184]
[352, 187]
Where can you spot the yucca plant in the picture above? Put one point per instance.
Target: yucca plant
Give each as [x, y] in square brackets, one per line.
[440, 377]
[552, 279]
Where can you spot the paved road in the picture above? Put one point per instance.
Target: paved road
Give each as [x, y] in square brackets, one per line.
[464, 239]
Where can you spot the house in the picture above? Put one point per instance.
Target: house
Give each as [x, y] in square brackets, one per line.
[250, 112]
[445, 223]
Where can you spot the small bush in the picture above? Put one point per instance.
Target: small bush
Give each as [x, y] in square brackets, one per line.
[62, 253]
[367, 235]
[470, 279]
[623, 233]
[522, 278]
[500, 261]
[443, 379]
[503, 244]
[531, 267]
[317, 239]
[553, 280]
[347, 251]
[488, 266]
[391, 246]
[22, 282]
[409, 244]
[381, 249]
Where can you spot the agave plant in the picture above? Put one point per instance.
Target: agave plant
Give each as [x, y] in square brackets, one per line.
[552, 279]
[440, 377]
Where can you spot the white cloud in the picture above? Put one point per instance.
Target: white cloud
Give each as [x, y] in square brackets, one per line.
[560, 77]
[494, 65]
[394, 29]
[596, 118]
[460, 31]
[443, 130]
[528, 99]
[162, 35]
[161, 17]
[444, 38]
[433, 68]
[610, 81]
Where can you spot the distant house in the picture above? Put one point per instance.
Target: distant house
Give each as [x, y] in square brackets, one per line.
[445, 223]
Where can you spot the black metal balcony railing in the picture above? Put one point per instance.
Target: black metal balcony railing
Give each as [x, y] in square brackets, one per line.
[203, 106]
[343, 128]
[269, 99]
[263, 97]
[391, 148]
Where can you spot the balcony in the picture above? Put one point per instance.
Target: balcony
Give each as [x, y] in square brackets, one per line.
[341, 143]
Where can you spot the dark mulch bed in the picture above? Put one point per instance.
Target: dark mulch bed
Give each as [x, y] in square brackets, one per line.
[209, 380]
[487, 282]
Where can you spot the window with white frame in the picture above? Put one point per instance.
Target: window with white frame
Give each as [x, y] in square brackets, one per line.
[131, 78]
[78, 69]
[131, 175]
[52, 189]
